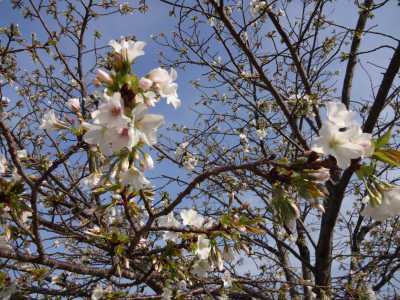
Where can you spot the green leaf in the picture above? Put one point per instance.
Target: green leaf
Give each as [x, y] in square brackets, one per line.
[365, 171]
[383, 140]
[389, 156]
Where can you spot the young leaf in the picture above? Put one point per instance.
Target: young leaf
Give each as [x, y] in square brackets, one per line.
[383, 140]
[389, 156]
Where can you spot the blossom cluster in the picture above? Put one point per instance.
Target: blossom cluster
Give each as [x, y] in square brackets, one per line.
[203, 247]
[121, 125]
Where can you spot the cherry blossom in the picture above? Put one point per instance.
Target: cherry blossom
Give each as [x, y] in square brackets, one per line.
[257, 7]
[149, 98]
[338, 114]
[22, 153]
[50, 121]
[97, 135]
[111, 112]
[389, 207]
[146, 124]
[129, 49]
[169, 221]
[165, 85]
[190, 217]
[203, 247]
[337, 143]
[134, 179]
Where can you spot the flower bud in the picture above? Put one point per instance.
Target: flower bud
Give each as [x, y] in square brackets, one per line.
[321, 175]
[145, 83]
[147, 162]
[73, 104]
[125, 164]
[103, 77]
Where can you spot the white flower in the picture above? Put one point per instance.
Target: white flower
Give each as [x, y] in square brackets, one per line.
[203, 247]
[227, 279]
[113, 215]
[3, 164]
[342, 137]
[189, 162]
[147, 124]
[338, 114]
[147, 162]
[120, 138]
[97, 135]
[111, 112]
[169, 221]
[149, 98]
[134, 178]
[211, 21]
[92, 180]
[192, 218]
[130, 50]
[55, 279]
[390, 206]
[165, 85]
[332, 141]
[261, 133]
[95, 230]
[257, 7]
[73, 104]
[364, 140]
[21, 154]
[97, 293]
[181, 150]
[50, 121]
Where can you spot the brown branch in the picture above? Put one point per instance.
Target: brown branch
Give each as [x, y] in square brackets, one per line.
[355, 45]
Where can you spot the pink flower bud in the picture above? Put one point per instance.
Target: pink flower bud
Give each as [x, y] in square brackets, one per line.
[145, 83]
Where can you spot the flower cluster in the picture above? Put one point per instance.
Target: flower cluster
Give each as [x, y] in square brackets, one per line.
[257, 7]
[121, 126]
[206, 258]
[342, 137]
[189, 161]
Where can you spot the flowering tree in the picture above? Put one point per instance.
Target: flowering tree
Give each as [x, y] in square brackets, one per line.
[284, 186]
